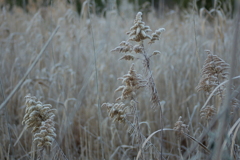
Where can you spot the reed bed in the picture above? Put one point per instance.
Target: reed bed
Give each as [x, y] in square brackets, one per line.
[173, 116]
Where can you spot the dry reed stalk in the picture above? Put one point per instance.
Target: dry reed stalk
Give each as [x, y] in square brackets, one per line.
[138, 33]
[214, 73]
[213, 121]
[133, 81]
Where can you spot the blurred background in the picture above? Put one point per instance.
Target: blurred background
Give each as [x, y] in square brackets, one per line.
[103, 5]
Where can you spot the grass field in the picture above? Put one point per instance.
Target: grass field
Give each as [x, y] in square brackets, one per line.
[77, 73]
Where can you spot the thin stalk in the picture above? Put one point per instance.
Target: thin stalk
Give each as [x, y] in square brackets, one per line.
[155, 93]
[98, 98]
[195, 35]
[7, 117]
[179, 148]
[51, 30]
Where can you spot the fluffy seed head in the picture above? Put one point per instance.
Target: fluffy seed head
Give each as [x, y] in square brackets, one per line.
[127, 57]
[207, 112]
[123, 47]
[132, 82]
[36, 112]
[46, 135]
[40, 117]
[156, 35]
[214, 72]
[116, 111]
[138, 32]
[180, 127]
[138, 49]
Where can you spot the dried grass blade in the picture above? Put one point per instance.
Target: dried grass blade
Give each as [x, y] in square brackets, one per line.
[202, 145]
[210, 96]
[145, 142]
[29, 70]
[167, 129]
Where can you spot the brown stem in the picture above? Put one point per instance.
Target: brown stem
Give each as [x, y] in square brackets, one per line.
[154, 93]
[40, 154]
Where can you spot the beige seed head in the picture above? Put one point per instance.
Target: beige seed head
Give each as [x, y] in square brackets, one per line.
[132, 82]
[39, 117]
[207, 112]
[214, 72]
[46, 135]
[123, 47]
[138, 32]
[116, 111]
[156, 35]
[180, 127]
[138, 49]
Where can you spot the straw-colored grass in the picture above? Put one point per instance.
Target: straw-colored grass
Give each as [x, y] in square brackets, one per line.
[78, 72]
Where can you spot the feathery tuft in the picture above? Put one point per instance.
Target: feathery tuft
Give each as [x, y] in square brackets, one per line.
[156, 35]
[180, 127]
[117, 111]
[138, 32]
[132, 82]
[123, 47]
[46, 135]
[214, 72]
[39, 117]
[207, 112]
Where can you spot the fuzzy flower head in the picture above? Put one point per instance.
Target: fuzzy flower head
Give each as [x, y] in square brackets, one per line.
[138, 32]
[180, 127]
[117, 111]
[36, 112]
[208, 112]
[47, 133]
[214, 72]
[40, 117]
[156, 35]
[132, 82]
[123, 47]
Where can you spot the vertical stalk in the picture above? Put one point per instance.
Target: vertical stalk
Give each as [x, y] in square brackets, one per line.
[6, 118]
[98, 98]
[154, 93]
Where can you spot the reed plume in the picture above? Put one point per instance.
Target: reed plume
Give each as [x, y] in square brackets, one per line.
[214, 72]
[36, 113]
[47, 133]
[180, 127]
[116, 111]
[132, 82]
[208, 112]
[40, 117]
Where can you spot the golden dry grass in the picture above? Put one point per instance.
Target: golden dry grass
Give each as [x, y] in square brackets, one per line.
[65, 78]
